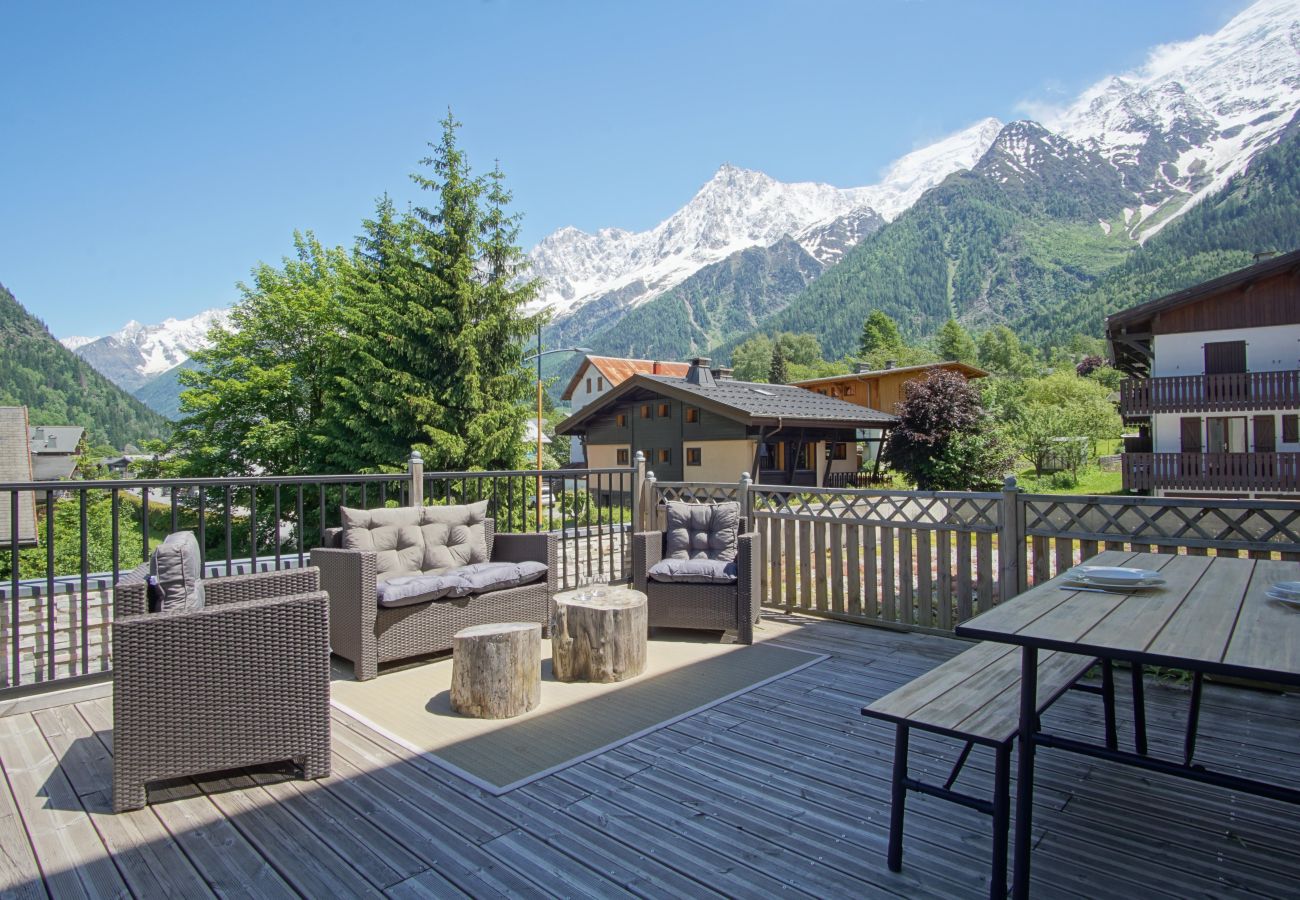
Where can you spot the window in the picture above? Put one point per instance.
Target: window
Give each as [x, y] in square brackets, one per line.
[692, 456]
[692, 414]
[664, 411]
[848, 390]
[621, 420]
[1225, 434]
[588, 385]
[600, 383]
[840, 451]
[665, 456]
[622, 456]
[645, 410]
[1291, 429]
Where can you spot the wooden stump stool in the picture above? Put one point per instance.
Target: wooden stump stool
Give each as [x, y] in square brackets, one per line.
[496, 670]
[601, 639]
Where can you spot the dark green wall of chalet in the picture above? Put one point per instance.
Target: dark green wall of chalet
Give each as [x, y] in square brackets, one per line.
[650, 435]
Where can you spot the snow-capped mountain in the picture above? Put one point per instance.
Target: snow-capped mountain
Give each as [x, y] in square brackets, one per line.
[736, 209]
[137, 352]
[1196, 113]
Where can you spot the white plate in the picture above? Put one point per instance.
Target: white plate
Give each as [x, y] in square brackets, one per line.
[1113, 586]
[1289, 588]
[1282, 598]
[1115, 575]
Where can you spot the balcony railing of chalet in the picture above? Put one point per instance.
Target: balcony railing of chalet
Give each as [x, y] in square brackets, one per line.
[1236, 472]
[56, 596]
[1210, 393]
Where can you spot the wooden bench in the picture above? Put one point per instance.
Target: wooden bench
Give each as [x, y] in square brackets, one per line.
[975, 697]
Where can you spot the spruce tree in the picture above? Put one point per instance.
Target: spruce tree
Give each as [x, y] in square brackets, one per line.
[955, 343]
[776, 373]
[879, 334]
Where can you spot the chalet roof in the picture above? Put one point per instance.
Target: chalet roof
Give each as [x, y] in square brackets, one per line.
[744, 401]
[964, 368]
[616, 370]
[52, 467]
[55, 439]
[16, 465]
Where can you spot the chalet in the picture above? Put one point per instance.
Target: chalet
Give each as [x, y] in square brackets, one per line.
[1214, 389]
[881, 389]
[705, 426]
[598, 375]
[54, 450]
[16, 466]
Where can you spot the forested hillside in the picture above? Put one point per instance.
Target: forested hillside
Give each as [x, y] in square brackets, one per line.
[59, 388]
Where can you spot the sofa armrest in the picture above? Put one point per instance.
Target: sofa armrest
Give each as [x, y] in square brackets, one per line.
[348, 576]
[280, 583]
[542, 547]
[647, 549]
[749, 582]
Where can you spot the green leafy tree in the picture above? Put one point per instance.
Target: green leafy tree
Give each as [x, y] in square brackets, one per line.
[880, 334]
[776, 373]
[752, 359]
[942, 441]
[1000, 351]
[257, 400]
[955, 343]
[1063, 416]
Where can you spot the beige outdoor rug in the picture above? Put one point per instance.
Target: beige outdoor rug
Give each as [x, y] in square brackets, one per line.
[574, 721]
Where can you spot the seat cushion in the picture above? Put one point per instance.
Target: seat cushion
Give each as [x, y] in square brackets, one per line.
[454, 536]
[409, 588]
[694, 571]
[702, 530]
[179, 568]
[392, 534]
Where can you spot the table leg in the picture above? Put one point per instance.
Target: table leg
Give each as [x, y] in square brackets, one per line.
[1025, 770]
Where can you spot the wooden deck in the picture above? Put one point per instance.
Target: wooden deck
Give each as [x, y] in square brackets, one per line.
[781, 791]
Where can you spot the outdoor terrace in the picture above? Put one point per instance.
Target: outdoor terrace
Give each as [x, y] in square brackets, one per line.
[784, 790]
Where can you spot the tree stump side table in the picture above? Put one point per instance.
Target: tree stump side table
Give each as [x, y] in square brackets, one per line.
[599, 639]
[496, 670]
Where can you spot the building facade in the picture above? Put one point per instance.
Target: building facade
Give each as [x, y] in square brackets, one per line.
[707, 427]
[1213, 401]
[598, 375]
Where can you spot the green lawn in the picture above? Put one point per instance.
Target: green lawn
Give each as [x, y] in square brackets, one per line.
[1091, 481]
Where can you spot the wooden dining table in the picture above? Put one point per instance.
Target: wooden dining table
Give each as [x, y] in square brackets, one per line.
[1210, 617]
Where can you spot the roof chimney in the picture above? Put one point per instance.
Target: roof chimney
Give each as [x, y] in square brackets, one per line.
[654, 367]
[52, 442]
[1265, 254]
[889, 363]
[863, 367]
[722, 373]
[699, 372]
[40, 433]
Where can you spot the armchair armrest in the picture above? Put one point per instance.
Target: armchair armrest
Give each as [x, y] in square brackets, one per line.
[348, 576]
[748, 585]
[647, 549]
[279, 583]
[542, 547]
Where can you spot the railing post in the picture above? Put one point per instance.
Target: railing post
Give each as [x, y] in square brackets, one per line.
[648, 504]
[415, 468]
[743, 496]
[638, 489]
[1011, 543]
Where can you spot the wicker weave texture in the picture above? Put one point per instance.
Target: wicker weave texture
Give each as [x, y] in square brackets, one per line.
[367, 634]
[243, 681]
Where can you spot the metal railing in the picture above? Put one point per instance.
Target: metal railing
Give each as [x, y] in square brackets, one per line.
[1233, 472]
[57, 570]
[1210, 393]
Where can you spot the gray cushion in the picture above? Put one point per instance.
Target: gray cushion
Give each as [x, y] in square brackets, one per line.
[702, 530]
[454, 536]
[694, 571]
[177, 564]
[392, 534]
[406, 589]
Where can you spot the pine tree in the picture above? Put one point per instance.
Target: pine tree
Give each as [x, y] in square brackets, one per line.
[776, 373]
[879, 334]
[955, 343]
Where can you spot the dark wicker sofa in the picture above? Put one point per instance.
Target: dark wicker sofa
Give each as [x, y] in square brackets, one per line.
[731, 608]
[368, 634]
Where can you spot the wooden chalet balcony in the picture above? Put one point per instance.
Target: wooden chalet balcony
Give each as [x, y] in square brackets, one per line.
[1212, 471]
[1209, 393]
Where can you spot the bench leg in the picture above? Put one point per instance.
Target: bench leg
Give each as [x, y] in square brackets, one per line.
[1108, 703]
[1001, 820]
[1139, 711]
[898, 799]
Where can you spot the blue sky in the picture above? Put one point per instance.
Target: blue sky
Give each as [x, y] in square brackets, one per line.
[152, 154]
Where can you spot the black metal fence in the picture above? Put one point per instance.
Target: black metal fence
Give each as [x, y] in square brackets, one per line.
[67, 543]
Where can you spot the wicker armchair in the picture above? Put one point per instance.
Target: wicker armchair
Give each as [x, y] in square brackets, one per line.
[243, 681]
[731, 608]
[368, 634]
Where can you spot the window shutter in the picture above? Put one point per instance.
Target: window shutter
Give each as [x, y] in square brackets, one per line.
[1265, 434]
[1191, 434]
[1225, 357]
[1291, 429]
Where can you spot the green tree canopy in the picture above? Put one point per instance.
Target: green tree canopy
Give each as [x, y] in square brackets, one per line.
[776, 372]
[955, 343]
[1052, 411]
[880, 334]
[1000, 351]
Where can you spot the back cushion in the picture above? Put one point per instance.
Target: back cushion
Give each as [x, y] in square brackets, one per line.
[176, 563]
[392, 534]
[702, 530]
[453, 536]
